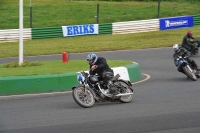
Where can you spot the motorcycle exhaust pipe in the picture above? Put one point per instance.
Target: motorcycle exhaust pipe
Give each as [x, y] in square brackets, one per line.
[126, 94]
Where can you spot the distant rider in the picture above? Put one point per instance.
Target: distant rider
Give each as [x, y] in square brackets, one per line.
[98, 65]
[180, 51]
[187, 43]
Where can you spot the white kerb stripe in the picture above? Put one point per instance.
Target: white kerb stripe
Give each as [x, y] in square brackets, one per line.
[122, 71]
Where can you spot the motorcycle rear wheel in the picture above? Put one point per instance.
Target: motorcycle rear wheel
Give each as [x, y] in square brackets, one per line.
[196, 51]
[83, 97]
[128, 98]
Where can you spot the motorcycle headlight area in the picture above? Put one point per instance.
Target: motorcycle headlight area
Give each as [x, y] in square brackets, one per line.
[180, 62]
[80, 78]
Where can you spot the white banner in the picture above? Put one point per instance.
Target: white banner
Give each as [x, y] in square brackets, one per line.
[76, 30]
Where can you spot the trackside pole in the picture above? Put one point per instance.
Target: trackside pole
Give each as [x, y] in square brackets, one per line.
[21, 32]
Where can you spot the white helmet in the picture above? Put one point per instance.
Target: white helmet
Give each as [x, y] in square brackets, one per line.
[176, 47]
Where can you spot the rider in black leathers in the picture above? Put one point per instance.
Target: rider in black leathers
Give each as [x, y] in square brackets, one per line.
[184, 53]
[187, 43]
[98, 65]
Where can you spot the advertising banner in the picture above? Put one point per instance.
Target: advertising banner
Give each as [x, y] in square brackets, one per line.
[76, 30]
[176, 22]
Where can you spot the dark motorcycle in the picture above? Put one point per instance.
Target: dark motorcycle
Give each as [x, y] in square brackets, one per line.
[187, 68]
[196, 45]
[91, 89]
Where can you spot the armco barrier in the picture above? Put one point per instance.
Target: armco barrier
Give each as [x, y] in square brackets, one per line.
[13, 35]
[196, 19]
[105, 28]
[135, 26]
[47, 32]
[58, 82]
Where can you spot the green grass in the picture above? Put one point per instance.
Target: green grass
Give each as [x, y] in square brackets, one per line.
[97, 43]
[55, 67]
[48, 13]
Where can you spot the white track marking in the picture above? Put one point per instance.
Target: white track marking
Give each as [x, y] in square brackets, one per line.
[32, 95]
[147, 77]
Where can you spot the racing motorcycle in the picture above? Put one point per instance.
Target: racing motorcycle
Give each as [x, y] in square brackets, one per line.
[91, 89]
[187, 68]
[195, 49]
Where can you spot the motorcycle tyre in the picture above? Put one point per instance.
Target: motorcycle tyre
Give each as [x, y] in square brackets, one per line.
[79, 102]
[196, 51]
[121, 99]
[189, 74]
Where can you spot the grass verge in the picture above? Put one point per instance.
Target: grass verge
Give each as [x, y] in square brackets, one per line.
[55, 67]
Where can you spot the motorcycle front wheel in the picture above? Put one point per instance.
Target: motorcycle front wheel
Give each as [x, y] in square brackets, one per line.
[189, 73]
[83, 97]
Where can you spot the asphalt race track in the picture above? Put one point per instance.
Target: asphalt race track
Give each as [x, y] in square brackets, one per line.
[168, 102]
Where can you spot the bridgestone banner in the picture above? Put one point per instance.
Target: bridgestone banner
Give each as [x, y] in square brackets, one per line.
[77, 30]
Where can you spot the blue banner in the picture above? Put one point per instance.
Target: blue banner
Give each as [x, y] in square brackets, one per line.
[176, 22]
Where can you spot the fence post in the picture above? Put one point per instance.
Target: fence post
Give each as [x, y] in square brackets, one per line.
[97, 13]
[30, 14]
[159, 8]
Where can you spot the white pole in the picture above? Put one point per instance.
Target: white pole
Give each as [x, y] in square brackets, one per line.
[21, 31]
